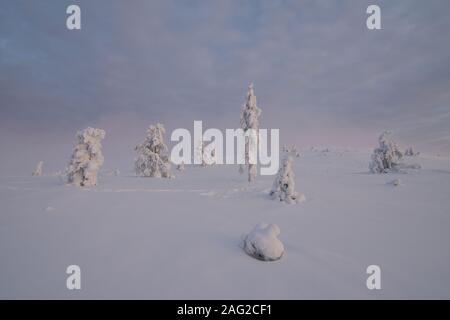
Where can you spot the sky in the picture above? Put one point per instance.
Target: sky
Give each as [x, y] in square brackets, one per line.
[319, 74]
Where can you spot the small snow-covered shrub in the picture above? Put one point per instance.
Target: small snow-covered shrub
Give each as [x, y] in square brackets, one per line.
[387, 156]
[411, 153]
[292, 150]
[38, 171]
[152, 159]
[262, 242]
[284, 185]
[250, 120]
[87, 158]
[395, 182]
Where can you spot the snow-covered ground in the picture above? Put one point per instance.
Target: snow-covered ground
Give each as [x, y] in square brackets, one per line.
[179, 238]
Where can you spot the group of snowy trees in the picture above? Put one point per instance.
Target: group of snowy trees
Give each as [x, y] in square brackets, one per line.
[153, 160]
[284, 185]
[387, 157]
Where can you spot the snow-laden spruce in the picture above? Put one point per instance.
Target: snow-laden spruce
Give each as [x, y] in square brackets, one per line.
[38, 171]
[208, 157]
[284, 185]
[250, 120]
[262, 242]
[87, 158]
[387, 157]
[152, 159]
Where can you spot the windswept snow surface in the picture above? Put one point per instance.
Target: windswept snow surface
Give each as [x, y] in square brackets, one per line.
[179, 238]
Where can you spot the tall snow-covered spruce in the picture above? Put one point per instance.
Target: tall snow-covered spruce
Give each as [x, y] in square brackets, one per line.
[284, 185]
[87, 158]
[387, 156]
[152, 159]
[250, 120]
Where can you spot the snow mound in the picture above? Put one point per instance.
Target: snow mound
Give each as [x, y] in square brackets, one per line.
[395, 182]
[262, 242]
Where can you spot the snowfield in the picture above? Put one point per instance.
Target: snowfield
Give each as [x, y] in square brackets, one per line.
[179, 238]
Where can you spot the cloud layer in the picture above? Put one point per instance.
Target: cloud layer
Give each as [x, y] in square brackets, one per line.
[320, 75]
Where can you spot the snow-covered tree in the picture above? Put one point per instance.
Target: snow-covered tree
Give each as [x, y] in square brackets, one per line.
[87, 158]
[38, 171]
[207, 158]
[262, 242]
[152, 159]
[387, 156]
[284, 185]
[250, 120]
